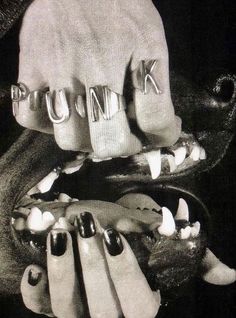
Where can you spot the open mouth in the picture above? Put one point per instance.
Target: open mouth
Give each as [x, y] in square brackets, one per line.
[45, 205]
[35, 173]
[169, 226]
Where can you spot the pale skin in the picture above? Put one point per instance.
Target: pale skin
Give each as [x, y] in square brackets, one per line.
[76, 45]
[79, 44]
[115, 285]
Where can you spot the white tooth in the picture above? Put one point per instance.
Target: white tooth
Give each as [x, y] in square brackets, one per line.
[107, 159]
[34, 221]
[46, 183]
[63, 224]
[19, 224]
[172, 163]
[167, 227]
[48, 219]
[63, 197]
[12, 221]
[202, 154]
[33, 190]
[195, 154]
[124, 156]
[182, 211]
[180, 155]
[74, 200]
[96, 160]
[195, 229]
[185, 233]
[154, 161]
[71, 170]
[72, 166]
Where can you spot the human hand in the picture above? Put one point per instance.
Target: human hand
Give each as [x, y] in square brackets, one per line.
[80, 47]
[112, 278]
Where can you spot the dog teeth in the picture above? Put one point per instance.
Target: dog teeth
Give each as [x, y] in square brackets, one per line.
[185, 233]
[34, 190]
[167, 227]
[172, 163]
[154, 161]
[195, 229]
[46, 183]
[73, 166]
[195, 154]
[70, 170]
[48, 219]
[38, 221]
[182, 211]
[63, 197]
[180, 155]
[19, 224]
[63, 224]
[34, 220]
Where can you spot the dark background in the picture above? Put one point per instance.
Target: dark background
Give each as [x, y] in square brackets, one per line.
[201, 40]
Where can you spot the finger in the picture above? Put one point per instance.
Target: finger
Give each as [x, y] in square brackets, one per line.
[34, 290]
[68, 115]
[215, 272]
[109, 128]
[101, 295]
[135, 295]
[31, 111]
[28, 103]
[154, 109]
[63, 283]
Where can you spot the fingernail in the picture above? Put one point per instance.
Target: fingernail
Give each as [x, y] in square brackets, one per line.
[58, 243]
[86, 225]
[34, 277]
[113, 242]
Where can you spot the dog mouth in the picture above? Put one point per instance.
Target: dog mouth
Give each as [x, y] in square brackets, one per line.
[43, 207]
[35, 172]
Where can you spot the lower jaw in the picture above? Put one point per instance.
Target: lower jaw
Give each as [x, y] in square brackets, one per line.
[29, 161]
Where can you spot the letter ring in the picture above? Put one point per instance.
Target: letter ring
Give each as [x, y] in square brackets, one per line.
[53, 116]
[19, 92]
[105, 101]
[144, 77]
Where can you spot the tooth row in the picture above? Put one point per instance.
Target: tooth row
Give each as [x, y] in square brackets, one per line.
[154, 158]
[168, 228]
[38, 221]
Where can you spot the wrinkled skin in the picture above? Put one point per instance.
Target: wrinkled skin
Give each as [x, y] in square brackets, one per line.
[82, 53]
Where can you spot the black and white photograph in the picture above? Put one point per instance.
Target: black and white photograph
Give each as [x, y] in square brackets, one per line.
[117, 159]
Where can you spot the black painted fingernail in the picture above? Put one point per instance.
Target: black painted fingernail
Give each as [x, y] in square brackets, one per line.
[86, 225]
[58, 243]
[34, 277]
[113, 242]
